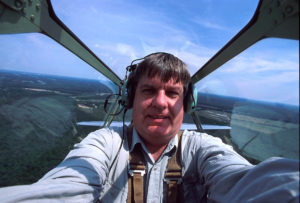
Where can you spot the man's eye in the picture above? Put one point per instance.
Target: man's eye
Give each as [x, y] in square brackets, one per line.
[147, 91]
[173, 93]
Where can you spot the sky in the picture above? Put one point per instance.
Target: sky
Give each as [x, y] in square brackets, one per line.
[194, 30]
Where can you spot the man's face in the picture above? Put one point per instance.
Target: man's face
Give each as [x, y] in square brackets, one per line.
[158, 110]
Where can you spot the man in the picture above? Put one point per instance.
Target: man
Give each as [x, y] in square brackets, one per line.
[161, 82]
[99, 168]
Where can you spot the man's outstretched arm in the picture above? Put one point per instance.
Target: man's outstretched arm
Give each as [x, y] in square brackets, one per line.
[229, 178]
[79, 178]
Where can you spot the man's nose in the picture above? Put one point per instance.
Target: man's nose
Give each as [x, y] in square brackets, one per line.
[160, 100]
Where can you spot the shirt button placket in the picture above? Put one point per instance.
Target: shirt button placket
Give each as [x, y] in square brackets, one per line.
[153, 190]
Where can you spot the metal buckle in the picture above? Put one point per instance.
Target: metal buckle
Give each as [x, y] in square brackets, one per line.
[178, 180]
[142, 172]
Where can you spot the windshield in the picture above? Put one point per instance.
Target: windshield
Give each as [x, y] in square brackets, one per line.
[119, 32]
[251, 102]
[257, 95]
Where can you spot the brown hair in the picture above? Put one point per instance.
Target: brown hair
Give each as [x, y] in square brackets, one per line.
[164, 65]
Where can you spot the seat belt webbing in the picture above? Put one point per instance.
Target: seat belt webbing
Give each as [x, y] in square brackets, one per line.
[137, 170]
[173, 175]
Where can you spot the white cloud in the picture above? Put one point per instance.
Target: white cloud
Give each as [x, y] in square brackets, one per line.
[193, 60]
[242, 64]
[126, 50]
[214, 86]
[207, 24]
[274, 79]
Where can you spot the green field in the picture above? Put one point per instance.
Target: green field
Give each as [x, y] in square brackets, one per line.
[38, 122]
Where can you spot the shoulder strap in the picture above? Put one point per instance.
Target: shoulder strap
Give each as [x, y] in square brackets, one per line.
[173, 175]
[136, 171]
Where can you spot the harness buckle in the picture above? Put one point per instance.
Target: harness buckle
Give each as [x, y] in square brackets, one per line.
[176, 179]
[141, 172]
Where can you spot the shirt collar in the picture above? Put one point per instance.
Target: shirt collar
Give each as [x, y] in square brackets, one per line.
[137, 140]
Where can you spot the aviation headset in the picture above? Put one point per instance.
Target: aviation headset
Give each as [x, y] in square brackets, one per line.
[128, 89]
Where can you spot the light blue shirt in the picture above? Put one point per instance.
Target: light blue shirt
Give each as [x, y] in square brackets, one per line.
[97, 169]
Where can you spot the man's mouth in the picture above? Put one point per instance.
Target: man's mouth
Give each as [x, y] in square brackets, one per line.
[158, 116]
[158, 119]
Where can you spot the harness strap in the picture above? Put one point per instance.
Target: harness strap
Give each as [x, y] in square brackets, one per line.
[173, 175]
[137, 170]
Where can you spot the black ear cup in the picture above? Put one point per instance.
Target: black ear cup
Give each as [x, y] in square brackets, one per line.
[127, 91]
[190, 100]
[124, 101]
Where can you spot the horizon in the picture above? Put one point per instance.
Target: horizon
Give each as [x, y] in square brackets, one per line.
[114, 87]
